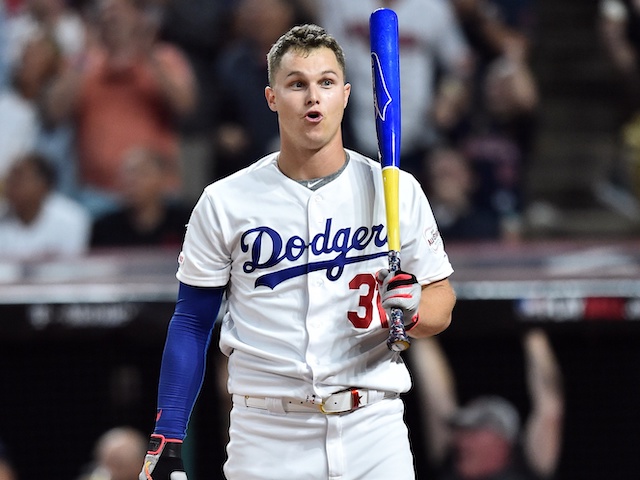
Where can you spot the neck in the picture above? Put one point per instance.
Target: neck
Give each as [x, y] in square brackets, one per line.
[299, 163]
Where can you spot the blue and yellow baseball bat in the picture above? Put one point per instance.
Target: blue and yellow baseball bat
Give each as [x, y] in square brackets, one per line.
[385, 65]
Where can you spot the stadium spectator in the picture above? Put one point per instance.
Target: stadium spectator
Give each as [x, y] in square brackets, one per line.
[50, 17]
[499, 133]
[497, 30]
[451, 185]
[619, 30]
[435, 70]
[18, 116]
[619, 23]
[118, 454]
[22, 128]
[201, 28]
[500, 138]
[37, 222]
[247, 128]
[499, 45]
[489, 32]
[485, 438]
[127, 88]
[38, 37]
[146, 216]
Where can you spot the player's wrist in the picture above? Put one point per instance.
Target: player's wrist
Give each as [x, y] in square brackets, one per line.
[159, 444]
[163, 460]
[408, 326]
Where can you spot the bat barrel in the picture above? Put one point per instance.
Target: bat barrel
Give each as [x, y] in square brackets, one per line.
[385, 63]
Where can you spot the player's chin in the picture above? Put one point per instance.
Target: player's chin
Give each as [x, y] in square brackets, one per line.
[315, 140]
[322, 136]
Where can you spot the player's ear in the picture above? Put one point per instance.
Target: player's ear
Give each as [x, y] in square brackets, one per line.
[347, 93]
[270, 95]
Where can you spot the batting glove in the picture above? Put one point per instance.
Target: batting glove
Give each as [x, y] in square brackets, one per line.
[402, 291]
[163, 460]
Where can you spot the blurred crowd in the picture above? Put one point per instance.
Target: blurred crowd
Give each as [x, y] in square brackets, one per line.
[115, 114]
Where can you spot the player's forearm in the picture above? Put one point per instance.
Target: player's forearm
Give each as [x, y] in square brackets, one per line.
[436, 304]
[184, 358]
[181, 376]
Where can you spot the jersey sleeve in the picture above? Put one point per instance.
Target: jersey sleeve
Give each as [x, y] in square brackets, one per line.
[205, 260]
[422, 252]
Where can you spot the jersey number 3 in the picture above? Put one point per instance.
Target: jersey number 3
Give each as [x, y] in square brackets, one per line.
[363, 317]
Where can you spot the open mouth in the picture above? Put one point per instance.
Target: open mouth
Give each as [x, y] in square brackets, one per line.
[314, 116]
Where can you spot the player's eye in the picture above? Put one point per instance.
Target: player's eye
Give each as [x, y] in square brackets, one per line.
[327, 82]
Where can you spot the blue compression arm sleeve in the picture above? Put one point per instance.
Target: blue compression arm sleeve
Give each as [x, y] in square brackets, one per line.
[184, 357]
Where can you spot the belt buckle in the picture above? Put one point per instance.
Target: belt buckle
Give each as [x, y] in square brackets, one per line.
[345, 401]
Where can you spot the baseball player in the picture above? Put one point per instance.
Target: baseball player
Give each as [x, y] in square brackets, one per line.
[297, 240]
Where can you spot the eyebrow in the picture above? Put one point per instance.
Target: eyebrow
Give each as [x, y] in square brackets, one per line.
[298, 72]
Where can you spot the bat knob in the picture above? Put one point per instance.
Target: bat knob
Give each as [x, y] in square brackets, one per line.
[398, 345]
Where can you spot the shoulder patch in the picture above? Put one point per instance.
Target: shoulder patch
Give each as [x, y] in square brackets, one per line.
[433, 238]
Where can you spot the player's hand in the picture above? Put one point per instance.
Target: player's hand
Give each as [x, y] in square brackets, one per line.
[163, 460]
[402, 291]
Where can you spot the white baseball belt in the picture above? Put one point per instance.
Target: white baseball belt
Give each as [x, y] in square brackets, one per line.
[339, 402]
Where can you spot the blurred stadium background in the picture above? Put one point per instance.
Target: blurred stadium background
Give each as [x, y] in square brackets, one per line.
[80, 341]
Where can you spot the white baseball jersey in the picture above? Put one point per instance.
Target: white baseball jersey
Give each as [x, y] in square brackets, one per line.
[303, 312]
[429, 36]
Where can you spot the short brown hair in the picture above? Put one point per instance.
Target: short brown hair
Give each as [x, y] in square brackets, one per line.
[303, 39]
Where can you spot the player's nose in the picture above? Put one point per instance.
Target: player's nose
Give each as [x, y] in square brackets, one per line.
[313, 96]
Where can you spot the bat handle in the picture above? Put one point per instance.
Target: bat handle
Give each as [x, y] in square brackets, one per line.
[398, 340]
